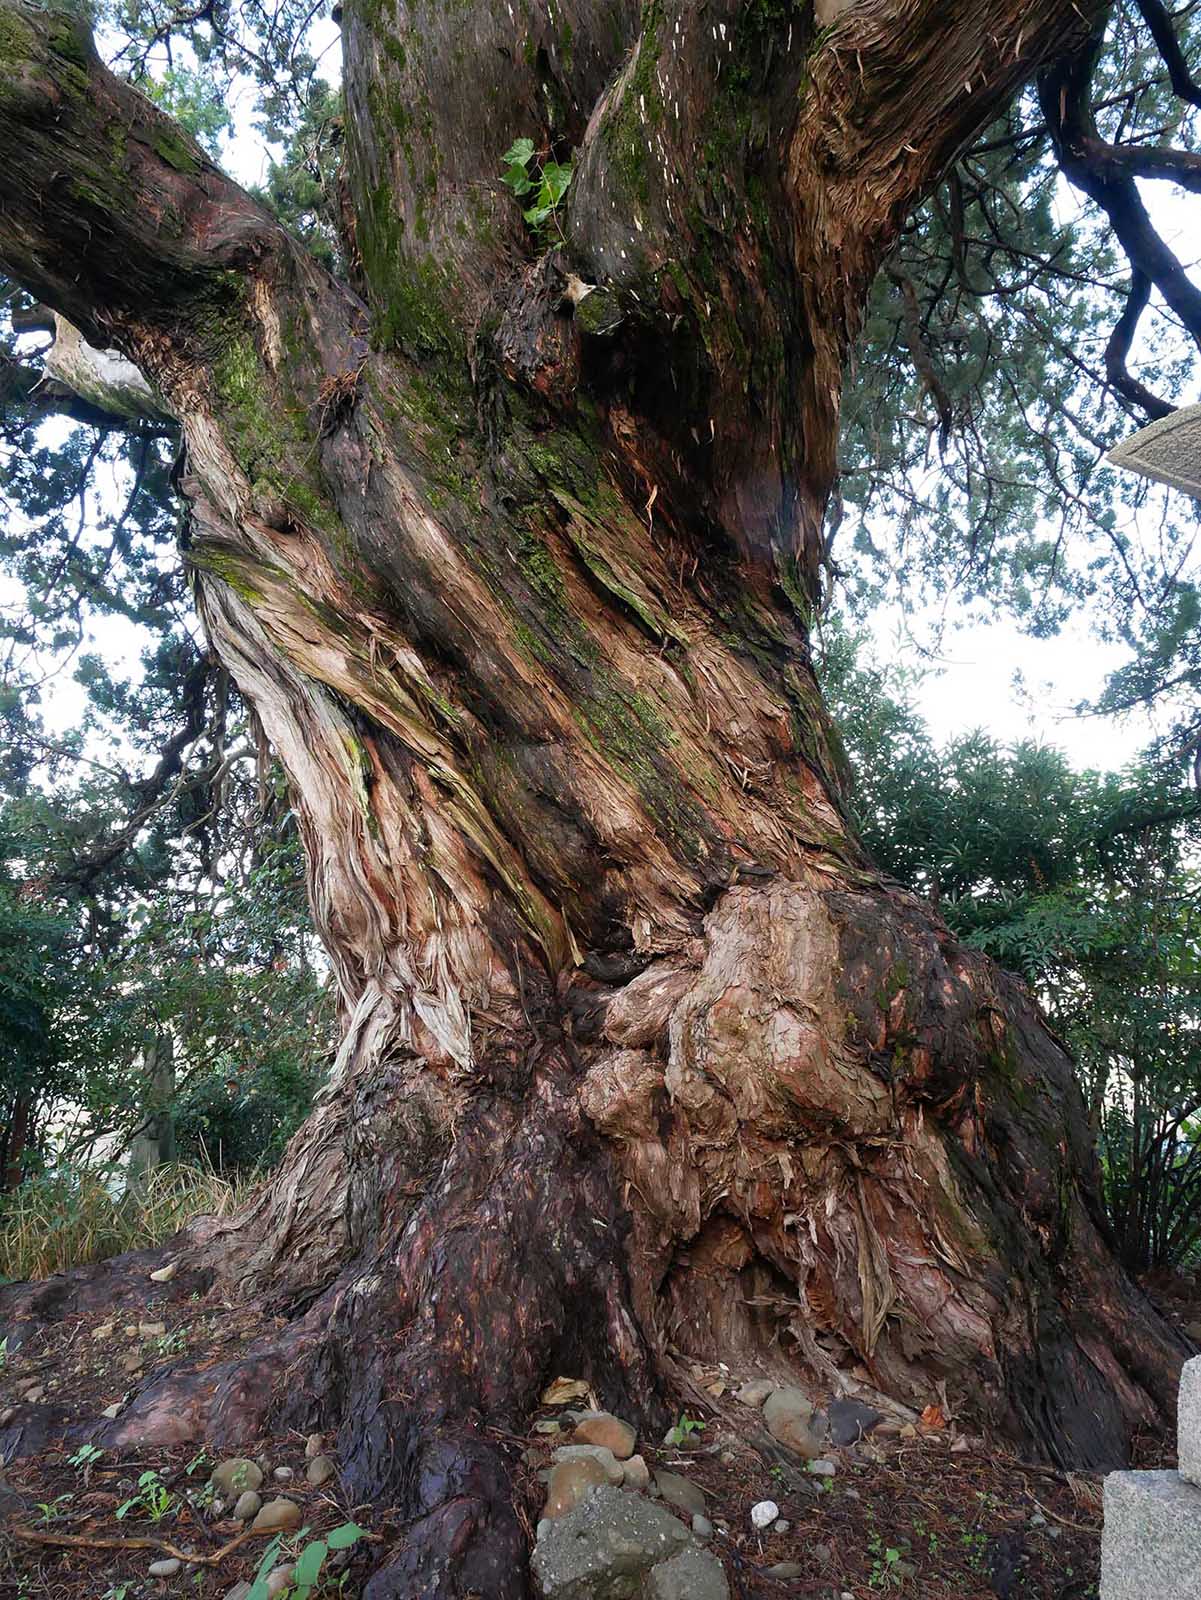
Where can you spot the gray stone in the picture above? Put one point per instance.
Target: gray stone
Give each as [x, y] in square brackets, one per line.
[248, 1505]
[635, 1473]
[312, 1446]
[165, 1569]
[319, 1470]
[1168, 450]
[603, 1549]
[692, 1575]
[1188, 1421]
[604, 1458]
[786, 1569]
[279, 1580]
[823, 1469]
[850, 1419]
[236, 1474]
[240, 1590]
[789, 1416]
[277, 1516]
[112, 1411]
[1149, 1548]
[757, 1391]
[702, 1527]
[681, 1493]
[282, 1474]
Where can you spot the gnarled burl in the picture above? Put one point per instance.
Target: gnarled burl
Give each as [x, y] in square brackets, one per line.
[511, 542]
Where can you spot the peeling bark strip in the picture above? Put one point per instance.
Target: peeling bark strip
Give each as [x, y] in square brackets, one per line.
[513, 550]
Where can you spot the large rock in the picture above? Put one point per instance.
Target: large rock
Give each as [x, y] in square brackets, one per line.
[609, 1431]
[605, 1547]
[1188, 1421]
[692, 1575]
[1149, 1549]
[789, 1416]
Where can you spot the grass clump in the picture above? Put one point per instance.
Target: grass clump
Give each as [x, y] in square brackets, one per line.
[75, 1217]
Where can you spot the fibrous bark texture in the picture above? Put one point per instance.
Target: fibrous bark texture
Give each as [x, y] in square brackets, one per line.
[512, 542]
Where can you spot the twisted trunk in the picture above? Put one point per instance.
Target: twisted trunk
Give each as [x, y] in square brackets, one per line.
[512, 545]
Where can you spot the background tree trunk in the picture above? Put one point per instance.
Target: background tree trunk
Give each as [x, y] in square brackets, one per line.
[512, 545]
[153, 1145]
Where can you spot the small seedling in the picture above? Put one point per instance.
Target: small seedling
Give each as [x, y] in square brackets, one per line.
[51, 1510]
[200, 1459]
[84, 1457]
[684, 1429]
[885, 1573]
[547, 181]
[153, 1497]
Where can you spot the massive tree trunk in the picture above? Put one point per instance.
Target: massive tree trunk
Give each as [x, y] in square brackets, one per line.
[512, 544]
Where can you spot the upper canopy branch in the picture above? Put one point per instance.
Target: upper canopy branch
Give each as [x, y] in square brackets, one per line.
[1107, 174]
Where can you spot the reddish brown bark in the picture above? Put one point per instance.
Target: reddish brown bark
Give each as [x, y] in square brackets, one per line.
[641, 1055]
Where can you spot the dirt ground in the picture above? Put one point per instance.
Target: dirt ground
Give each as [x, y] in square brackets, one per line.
[924, 1511]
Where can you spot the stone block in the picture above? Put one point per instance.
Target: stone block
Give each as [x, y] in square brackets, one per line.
[1188, 1421]
[1168, 450]
[1151, 1547]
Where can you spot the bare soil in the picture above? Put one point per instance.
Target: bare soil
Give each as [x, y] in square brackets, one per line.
[924, 1511]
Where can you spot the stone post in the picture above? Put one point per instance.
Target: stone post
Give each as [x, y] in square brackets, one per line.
[1151, 1547]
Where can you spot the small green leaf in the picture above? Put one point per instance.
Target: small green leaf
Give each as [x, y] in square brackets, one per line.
[519, 154]
[537, 215]
[555, 179]
[342, 1538]
[310, 1562]
[517, 179]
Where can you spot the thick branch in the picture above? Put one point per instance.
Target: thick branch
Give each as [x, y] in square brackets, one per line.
[1086, 161]
[1158, 20]
[109, 212]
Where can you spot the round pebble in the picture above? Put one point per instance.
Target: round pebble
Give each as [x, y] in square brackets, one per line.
[164, 1569]
[283, 1474]
[248, 1505]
